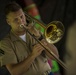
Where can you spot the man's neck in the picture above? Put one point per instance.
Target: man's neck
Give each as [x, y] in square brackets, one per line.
[19, 33]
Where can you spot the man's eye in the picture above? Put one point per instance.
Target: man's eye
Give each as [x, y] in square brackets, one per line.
[21, 16]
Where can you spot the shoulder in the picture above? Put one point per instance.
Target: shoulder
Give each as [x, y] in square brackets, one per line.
[5, 42]
[6, 38]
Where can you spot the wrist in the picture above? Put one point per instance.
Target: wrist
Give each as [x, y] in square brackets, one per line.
[32, 56]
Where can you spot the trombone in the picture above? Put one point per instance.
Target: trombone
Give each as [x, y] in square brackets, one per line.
[53, 33]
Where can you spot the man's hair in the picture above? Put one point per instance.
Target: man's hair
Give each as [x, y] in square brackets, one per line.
[12, 7]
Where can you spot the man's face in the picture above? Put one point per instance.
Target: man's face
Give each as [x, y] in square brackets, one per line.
[15, 19]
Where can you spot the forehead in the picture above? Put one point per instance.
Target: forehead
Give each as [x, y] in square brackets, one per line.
[15, 14]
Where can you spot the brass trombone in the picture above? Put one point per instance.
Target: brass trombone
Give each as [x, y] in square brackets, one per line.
[54, 32]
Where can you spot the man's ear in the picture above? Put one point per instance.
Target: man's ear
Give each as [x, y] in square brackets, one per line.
[8, 22]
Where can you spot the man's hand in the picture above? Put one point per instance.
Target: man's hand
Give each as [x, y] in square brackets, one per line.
[51, 47]
[37, 50]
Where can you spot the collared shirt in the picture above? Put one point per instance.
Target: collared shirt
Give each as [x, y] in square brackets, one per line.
[16, 50]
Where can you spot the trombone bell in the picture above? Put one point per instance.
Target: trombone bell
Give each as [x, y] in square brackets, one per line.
[54, 31]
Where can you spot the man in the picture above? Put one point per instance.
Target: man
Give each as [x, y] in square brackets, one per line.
[23, 55]
[71, 50]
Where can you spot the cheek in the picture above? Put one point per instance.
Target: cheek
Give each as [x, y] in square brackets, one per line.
[14, 25]
[24, 20]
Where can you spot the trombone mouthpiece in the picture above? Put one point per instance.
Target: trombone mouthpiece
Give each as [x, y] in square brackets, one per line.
[21, 25]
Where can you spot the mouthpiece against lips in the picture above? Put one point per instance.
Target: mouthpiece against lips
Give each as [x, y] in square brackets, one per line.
[21, 26]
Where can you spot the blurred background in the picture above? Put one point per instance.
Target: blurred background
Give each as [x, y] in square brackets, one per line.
[47, 11]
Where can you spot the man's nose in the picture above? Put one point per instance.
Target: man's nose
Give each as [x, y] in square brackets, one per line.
[19, 20]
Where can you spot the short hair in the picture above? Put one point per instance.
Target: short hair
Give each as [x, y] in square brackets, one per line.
[12, 7]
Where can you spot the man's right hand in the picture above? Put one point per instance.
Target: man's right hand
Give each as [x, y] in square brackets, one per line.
[37, 50]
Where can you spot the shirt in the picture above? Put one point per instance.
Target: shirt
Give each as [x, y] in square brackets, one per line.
[16, 50]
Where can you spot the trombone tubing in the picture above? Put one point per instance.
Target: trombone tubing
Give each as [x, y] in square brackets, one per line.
[36, 20]
[57, 59]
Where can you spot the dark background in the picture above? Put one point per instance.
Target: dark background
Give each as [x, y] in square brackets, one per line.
[50, 10]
